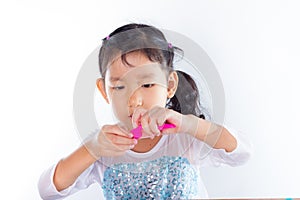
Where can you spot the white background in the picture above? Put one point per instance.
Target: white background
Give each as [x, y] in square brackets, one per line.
[254, 45]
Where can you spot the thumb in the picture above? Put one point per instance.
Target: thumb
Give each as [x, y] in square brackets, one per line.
[136, 116]
[168, 131]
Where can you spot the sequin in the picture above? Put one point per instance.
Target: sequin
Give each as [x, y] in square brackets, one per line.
[163, 178]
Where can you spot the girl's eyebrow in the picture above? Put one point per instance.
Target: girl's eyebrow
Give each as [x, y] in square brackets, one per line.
[142, 76]
[114, 79]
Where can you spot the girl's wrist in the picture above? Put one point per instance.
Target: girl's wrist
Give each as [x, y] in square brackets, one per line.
[93, 147]
[194, 125]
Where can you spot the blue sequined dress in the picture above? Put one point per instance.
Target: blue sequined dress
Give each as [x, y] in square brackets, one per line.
[162, 178]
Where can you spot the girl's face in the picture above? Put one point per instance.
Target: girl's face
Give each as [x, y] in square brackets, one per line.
[145, 85]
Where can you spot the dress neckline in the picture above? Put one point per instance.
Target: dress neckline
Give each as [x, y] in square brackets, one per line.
[151, 151]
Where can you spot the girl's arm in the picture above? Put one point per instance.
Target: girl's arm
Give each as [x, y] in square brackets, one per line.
[62, 179]
[213, 134]
[68, 169]
[111, 140]
[229, 146]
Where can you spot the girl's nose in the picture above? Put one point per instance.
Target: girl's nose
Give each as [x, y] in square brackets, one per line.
[135, 99]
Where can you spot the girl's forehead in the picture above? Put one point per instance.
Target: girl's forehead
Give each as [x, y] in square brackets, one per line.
[145, 71]
[140, 66]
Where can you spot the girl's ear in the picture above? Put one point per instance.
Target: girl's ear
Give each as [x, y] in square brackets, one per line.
[101, 87]
[172, 84]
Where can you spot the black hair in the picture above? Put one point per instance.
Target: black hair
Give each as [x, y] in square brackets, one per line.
[152, 43]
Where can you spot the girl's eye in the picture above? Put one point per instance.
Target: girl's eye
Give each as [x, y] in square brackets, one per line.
[148, 85]
[118, 88]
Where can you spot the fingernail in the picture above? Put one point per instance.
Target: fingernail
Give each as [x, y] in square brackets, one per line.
[131, 146]
[135, 141]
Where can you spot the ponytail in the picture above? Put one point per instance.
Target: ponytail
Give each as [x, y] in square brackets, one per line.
[186, 99]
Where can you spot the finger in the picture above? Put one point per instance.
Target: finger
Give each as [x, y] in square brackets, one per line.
[124, 129]
[115, 129]
[153, 126]
[153, 115]
[123, 147]
[169, 131]
[145, 126]
[136, 116]
[120, 140]
[171, 117]
[161, 117]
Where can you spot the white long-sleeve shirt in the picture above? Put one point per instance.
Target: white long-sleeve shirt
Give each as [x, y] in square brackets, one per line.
[171, 169]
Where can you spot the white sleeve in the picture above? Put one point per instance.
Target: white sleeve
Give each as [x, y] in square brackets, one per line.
[217, 157]
[48, 190]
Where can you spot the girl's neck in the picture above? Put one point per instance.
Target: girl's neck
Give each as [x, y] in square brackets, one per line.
[145, 145]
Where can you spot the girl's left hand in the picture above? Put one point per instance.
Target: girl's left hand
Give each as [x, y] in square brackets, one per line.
[157, 116]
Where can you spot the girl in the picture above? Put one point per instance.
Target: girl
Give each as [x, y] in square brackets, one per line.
[138, 80]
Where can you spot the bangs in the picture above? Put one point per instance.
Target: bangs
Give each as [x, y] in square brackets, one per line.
[154, 55]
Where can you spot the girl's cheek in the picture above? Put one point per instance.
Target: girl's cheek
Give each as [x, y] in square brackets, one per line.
[120, 109]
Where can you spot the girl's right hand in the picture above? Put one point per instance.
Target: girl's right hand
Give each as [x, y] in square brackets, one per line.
[112, 140]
